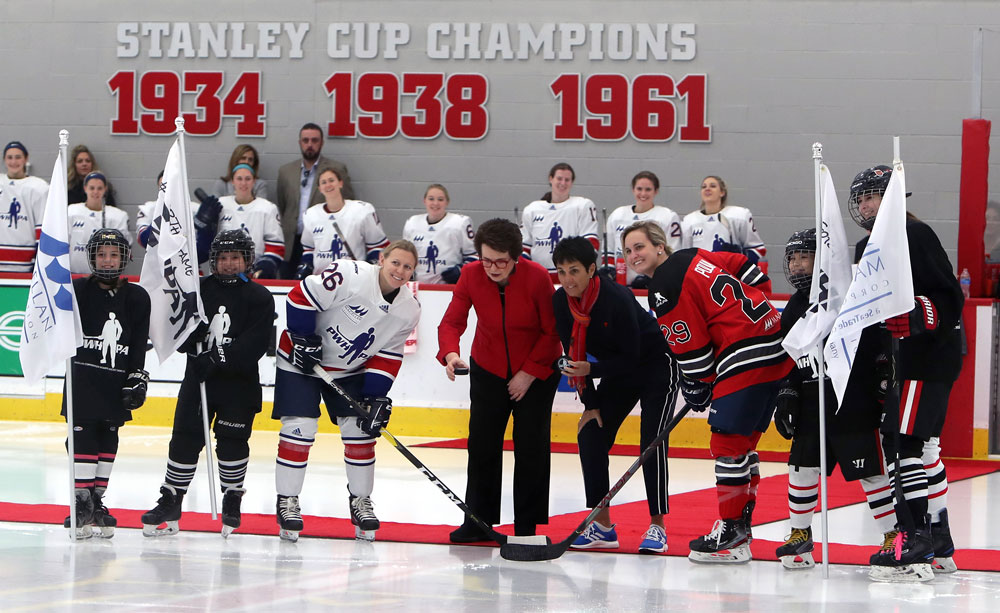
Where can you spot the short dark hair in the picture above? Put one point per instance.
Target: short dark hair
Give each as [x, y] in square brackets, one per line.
[311, 126]
[562, 166]
[500, 235]
[574, 249]
[646, 174]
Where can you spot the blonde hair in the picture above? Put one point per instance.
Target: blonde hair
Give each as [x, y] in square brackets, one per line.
[440, 187]
[653, 232]
[403, 244]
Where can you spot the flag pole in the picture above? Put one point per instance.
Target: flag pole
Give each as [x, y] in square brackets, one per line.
[70, 448]
[820, 367]
[210, 464]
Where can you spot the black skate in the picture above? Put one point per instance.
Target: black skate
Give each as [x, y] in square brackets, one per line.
[797, 551]
[231, 510]
[167, 511]
[84, 515]
[908, 560]
[747, 517]
[104, 521]
[944, 548]
[727, 543]
[363, 517]
[289, 517]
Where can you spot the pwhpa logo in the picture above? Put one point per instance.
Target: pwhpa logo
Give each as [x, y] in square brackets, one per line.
[11, 325]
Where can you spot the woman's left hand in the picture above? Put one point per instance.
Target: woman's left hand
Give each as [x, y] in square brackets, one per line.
[519, 384]
[577, 369]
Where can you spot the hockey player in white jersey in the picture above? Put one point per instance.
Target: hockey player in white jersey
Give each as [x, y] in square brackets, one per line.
[22, 204]
[257, 217]
[85, 218]
[443, 239]
[717, 226]
[338, 229]
[645, 186]
[557, 216]
[352, 319]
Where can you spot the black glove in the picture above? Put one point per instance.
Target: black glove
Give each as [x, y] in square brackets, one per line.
[207, 362]
[208, 212]
[451, 275]
[884, 376]
[307, 351]
[609, 272]
[134, 390]
[640, 282]
[303, 271]
[267, 266]
[190, 345]
[786, 411]
[697, 394]
[379, 410]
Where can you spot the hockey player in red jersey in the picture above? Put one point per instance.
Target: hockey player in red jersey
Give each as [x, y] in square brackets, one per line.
[726, 337]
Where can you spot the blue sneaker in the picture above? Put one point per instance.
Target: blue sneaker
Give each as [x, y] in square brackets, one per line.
[654, 541]
[596, 536]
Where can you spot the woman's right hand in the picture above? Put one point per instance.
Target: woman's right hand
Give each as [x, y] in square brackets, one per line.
[453, 361]
[588, 415]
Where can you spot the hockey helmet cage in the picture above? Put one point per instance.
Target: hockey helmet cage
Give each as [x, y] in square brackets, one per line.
[800, 244]
[108, 237]
[871, 181]
[231, 240]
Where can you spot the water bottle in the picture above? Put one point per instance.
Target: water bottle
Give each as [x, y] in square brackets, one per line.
[965, 281]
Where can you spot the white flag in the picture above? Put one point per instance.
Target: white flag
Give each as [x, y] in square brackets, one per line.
[170, 268]
[882, 285]
[829, 287]
[52, 329]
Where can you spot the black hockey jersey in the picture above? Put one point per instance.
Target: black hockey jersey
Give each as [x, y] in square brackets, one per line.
[932, 356]
[240, 317]
[115, 332]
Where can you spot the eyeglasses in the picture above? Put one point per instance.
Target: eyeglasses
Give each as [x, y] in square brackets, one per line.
[500, 264]
[305, 176]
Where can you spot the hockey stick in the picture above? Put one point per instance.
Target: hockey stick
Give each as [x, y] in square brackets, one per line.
[604, 214]
[350, 252]
[502, 539]
[537, 553]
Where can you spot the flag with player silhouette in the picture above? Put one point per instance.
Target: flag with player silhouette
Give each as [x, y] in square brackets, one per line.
[830, 286]
[882, 286]
[170, 268]
[52, 330]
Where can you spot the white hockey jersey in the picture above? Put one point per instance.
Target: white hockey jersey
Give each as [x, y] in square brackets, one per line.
[440, 245]
[544, 224]
[144, 217]
[260, 219]
[361, 332]
[733, 224]
[22, 205]
[83, 222]
[623, 217]
[362, 233]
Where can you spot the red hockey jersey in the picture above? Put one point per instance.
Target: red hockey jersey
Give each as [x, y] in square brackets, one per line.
[717, 321]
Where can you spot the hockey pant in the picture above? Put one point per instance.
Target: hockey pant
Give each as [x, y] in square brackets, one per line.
[95, 445]
[296, 438]
[232, 429]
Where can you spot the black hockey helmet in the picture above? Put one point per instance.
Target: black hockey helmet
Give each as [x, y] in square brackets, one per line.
[871, 181]
[802, 242]
[108, 237]
[231, 240]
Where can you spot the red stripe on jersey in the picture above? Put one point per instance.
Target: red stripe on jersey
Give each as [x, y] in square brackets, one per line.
[596, 243]
[17, 254]
[297, 298]
[389, 366]
[382, 245]
[38, 233]
[908, 405]
[277, 249]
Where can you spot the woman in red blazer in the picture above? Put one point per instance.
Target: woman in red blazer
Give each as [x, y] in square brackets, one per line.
[511, 371]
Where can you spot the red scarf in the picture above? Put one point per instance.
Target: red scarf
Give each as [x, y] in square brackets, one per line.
[580, 309]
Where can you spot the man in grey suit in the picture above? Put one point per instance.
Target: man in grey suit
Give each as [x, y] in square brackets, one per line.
[297, 191]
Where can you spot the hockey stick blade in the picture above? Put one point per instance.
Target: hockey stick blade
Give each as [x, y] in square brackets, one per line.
[525, 541]
[537, 553]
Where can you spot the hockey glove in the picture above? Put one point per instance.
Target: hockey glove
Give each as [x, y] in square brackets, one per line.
[267, 267]
[208, 212]
[307, 351]
[379, 411]
[640, 282]
[697, 394]
[786, 411]
[451, 275]
[207, 362]
[134, 390]
[190, 345]
[923, 318]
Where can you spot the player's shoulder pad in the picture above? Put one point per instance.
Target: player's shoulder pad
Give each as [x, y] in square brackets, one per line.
[668, 279]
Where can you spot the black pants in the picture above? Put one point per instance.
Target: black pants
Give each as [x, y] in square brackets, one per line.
[490, 409]
[655, 388]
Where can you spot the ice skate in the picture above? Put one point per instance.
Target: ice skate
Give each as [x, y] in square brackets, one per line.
[84, 515]
[796, 553]
[747, 517]
[944, 548]
[167, 511]
[727, 543]
[907, 560]
[363, 517]
[104, 521]
[231, 510]
[289, 517]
